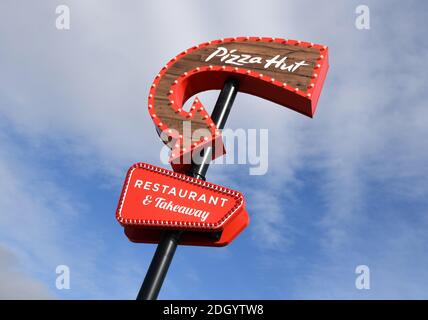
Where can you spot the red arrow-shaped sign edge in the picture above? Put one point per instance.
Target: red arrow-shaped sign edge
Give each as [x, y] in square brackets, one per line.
[212, 77]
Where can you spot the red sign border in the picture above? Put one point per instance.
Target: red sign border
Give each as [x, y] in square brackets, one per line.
[178, 224]
[313, 91]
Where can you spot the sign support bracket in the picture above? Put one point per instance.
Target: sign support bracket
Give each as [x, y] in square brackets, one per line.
[166, 248]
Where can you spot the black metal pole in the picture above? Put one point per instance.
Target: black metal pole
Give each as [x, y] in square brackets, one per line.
[166, 248]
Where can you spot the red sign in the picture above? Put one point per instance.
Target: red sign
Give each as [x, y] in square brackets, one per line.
[288, 72]
[154, 199]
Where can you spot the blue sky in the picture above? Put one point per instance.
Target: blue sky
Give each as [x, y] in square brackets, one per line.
[346, 188]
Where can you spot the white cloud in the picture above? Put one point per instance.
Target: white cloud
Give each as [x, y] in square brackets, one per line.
[269, 220]
[15, 284]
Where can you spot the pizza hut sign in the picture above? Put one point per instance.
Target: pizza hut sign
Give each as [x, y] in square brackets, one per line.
[235, 58]
[154, 199]
[288, 72]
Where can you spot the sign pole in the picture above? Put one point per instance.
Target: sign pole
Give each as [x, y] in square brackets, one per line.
[166, 248]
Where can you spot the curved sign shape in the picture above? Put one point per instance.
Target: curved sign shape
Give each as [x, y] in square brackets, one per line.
[288, 72]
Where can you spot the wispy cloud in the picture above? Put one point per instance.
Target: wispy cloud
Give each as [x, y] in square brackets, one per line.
[15, 284]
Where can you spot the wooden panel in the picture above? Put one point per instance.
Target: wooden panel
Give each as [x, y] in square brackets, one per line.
[288, 72]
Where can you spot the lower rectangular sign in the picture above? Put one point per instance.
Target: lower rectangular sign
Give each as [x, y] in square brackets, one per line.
[155, 199]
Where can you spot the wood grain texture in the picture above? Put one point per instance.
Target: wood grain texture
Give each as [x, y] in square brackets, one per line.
[190, 73]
